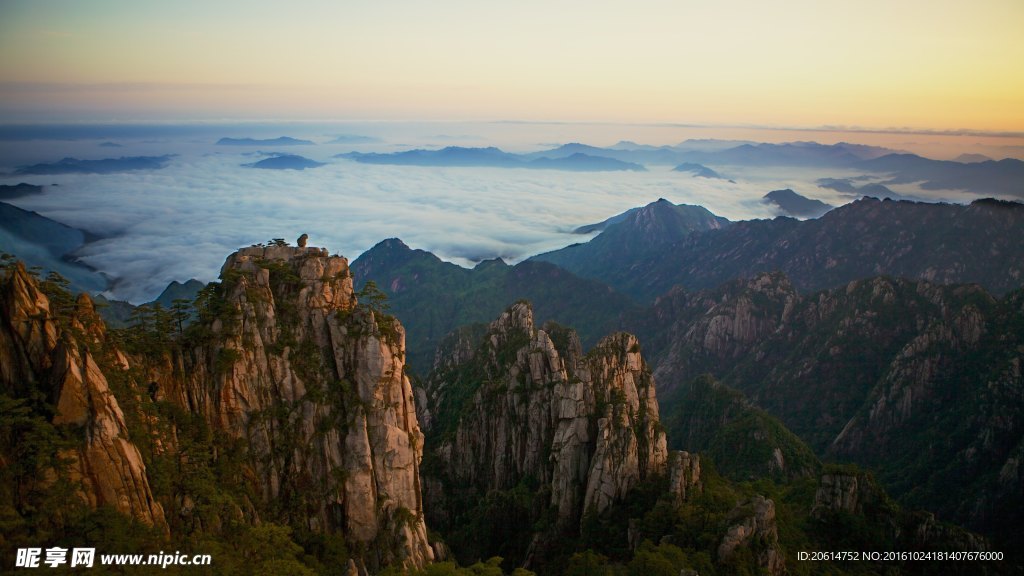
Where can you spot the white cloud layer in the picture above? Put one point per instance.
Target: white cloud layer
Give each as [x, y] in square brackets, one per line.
[182, 221]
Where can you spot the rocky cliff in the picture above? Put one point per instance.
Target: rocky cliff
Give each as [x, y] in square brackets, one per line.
[54, 361]
[752, 524]
[302, 388]
[317, 386]
[528, 407]
[843, 494]
[906, 377]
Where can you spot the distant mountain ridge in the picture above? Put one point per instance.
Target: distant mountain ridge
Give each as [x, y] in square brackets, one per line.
[703, 158]
[491, 157]
[118, 313]
[945, 243]
[968, 158]
[12, 191]
[631, 238]
[842, 154]
[279, 141]
[698, 170]
[1002, 177]
[285, 162]
[735, 152]
[873, 189]
[794, 204]
[41, 241]
[104, 166]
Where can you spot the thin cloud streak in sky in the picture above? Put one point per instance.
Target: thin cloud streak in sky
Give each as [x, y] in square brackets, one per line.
[104, 87]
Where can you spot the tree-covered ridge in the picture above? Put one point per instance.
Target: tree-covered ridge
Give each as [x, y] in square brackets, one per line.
[438, 297]
[912, 379]
[942, 243]
[745, 442]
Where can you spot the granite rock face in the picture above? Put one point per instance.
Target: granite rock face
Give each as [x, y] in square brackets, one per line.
[684, 474]
[285, 361]
[38, 353]
[753, 525]
[842, 494]
[903, 376]
[526, 403]
[316, 386]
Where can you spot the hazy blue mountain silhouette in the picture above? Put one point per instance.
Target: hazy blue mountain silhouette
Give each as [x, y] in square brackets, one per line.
[104, 166]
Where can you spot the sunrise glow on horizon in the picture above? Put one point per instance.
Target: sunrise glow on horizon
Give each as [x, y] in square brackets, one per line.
[930, 65]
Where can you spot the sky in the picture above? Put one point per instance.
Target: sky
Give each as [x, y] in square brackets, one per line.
[936, 64]
[116, 78]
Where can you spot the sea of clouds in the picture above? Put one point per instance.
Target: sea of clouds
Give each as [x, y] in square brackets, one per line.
[181, 221]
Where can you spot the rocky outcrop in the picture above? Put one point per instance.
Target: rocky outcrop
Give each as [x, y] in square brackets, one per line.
[843, 494]
[528, 404]
[630, 444]
[915, 371]
[926, 531]
[906, 377]
[716, 328]
[283, 361]
[50, 352]
[683, 474]
[752, 524]
[846, 492]
[316, 385]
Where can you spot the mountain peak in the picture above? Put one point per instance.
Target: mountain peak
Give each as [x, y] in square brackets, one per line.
[971, 158]
[497, 262]
[793, 204]
[670, 222]
[391, 250]
[517, 318]
[391, 244]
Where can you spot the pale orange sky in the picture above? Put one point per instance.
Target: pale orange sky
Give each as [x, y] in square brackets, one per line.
[936, 64]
